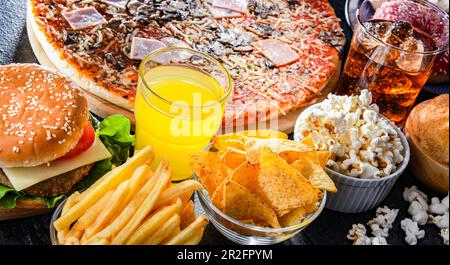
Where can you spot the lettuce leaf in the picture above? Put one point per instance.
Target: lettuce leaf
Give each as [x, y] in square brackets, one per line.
[114, 132]
[52, 202]
[9, 196]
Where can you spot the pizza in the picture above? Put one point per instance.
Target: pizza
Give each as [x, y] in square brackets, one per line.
[280, 53]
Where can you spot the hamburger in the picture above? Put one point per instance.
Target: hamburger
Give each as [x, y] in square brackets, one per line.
[47, 141]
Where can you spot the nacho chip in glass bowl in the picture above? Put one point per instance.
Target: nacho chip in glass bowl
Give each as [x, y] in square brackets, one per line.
[257, 204]
[249, 232]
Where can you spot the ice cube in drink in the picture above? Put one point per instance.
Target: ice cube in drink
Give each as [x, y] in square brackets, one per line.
[388, 58]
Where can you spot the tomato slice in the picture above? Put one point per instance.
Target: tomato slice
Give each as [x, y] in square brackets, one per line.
[84, 143]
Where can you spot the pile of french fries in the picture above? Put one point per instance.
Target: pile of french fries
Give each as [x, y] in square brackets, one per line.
[132, 205]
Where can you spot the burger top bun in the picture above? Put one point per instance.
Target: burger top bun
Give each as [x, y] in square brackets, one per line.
[429, 122]
[43, 115]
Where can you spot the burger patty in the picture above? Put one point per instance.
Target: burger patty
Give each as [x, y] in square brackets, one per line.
[58, 185]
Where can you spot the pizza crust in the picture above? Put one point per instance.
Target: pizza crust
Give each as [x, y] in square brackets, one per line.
[71, 71]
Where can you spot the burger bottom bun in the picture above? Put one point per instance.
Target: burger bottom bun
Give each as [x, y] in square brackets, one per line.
[25, 208]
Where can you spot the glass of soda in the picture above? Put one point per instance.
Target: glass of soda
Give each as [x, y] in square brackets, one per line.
[394, 48]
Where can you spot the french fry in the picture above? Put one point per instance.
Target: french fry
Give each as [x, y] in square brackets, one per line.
[196, 237]
[138, 180]
[62, 236]
[172, 235]
[106, 176]
[98, 242]
[164, 231]
[188, 232]
[72, 241]
[187, 215]
[83, 239]
[111, 181]
[186, 197]
[91, 213]
[124, 217]
[145, 207]
[177, 191]
[154, 222]
[99, 182]
[93, 186]
[73, 237]
[71, 201]
[110, 209]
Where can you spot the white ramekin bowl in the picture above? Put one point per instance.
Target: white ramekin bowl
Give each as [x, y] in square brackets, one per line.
[358, 195]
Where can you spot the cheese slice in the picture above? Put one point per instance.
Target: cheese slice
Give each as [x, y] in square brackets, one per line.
[25, 177]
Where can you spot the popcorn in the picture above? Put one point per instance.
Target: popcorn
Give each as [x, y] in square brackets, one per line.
[422, 213]
[412, 231]
[444, 235]
[439, 207]
[380, 226]
[441, 221]
[418, 212]
[414, 194]
[358, 235]
[363, 144]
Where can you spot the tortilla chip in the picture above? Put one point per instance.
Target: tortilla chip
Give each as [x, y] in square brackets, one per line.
[297, 216]
[278, 146]
[187, 216]
[248, 221]
[312, 155]
[232, 159]
[263, 134]
[218, 198]
[316, 175]
[210, 170]
[241, 204]
[282, 185]
[226, 142]
[291, 157]
[251, 232]
[283, 213]
[247, 176]
[323, 157]
[236, 140]
[308, 141]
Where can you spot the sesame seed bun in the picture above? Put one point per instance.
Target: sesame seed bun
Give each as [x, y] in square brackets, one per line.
[42, 115]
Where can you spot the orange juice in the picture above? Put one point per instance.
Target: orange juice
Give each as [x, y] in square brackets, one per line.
[178, 110]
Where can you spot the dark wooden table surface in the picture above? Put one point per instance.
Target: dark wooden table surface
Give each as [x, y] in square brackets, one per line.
[329, 229]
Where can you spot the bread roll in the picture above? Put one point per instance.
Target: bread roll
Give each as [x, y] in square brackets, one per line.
[430, 125]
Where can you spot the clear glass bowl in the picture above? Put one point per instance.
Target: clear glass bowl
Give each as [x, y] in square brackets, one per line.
[55, 216]
[246, 234]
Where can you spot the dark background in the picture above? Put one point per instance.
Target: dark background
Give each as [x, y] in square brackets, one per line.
[330, 228]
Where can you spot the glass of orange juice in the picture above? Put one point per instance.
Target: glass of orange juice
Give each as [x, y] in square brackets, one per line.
[180, 103]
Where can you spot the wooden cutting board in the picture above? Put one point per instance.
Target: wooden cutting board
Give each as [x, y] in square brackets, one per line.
[104, 108]
[11, 214]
